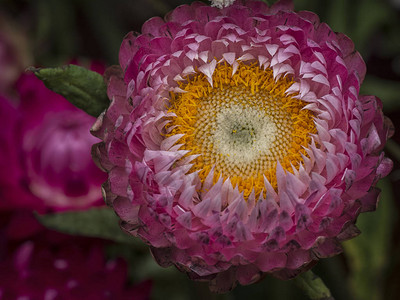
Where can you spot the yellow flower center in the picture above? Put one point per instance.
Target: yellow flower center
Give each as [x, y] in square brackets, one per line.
[241, 126]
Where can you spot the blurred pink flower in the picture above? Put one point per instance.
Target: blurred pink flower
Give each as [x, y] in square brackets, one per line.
[65, 268]
[237, 143]
[45, 162]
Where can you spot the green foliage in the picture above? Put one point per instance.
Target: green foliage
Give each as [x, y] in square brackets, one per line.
[95, 222]
[83, 88]
[313, 286]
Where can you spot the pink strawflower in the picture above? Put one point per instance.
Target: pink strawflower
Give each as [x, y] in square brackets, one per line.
[237, 143]
[45, 162]
[66, 269]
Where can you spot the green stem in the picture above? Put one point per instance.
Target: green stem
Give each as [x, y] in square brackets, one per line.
[313, 286]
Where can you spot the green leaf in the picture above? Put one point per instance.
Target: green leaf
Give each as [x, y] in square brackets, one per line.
[83, 88]
[313, 286]
[95, 222]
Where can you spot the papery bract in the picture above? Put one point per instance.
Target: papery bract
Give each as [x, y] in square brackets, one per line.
[237, 143]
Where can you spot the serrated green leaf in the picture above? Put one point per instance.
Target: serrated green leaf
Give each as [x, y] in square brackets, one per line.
[83, 88]
[95, 222]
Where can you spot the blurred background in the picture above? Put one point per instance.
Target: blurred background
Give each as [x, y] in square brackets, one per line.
[51, 33]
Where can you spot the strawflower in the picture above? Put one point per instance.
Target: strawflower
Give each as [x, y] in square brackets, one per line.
[46, 166]
[65, 268]
[45, 162]
[237, 143]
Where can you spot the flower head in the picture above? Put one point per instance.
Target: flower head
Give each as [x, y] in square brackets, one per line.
[63, 270]
[46, 160]
[237, 142]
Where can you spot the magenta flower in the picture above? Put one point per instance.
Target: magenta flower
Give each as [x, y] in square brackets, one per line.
[64, 270]
[45, 161]
[237, 143]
